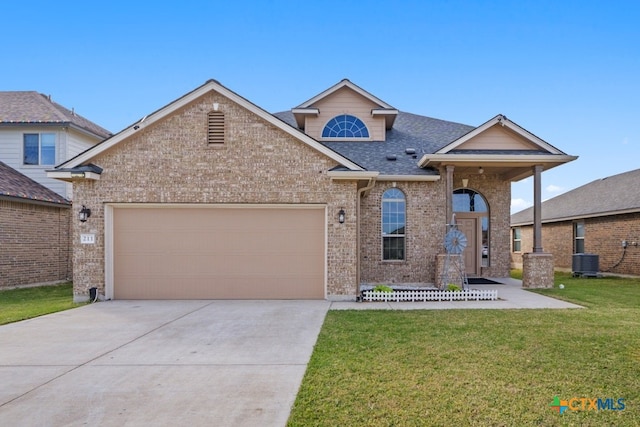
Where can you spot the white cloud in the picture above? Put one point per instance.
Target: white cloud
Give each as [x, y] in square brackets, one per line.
[519, 204]
[554, 189]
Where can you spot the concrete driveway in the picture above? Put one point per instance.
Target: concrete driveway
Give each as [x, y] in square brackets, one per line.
[130, 363]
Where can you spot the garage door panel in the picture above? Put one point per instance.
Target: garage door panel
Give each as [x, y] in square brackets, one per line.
[202, 253]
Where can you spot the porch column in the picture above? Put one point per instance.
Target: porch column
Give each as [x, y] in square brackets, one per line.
[537, 209]
[537, 266]
[449, 190]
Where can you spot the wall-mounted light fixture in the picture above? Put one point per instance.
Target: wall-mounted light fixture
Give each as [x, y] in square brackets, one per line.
[84, 213]
[480, 170]
[215, 106]
[341, 215]
[465, 182]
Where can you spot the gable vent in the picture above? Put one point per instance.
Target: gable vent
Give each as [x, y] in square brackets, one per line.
[215, 130]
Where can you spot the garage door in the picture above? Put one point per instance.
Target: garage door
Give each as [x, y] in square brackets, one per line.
[218, 253]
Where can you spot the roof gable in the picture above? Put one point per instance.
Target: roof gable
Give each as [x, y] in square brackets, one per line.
[30, 107]
[498, 137]
[211, 85]
[511, 135]
[345, 83]
[337, 94]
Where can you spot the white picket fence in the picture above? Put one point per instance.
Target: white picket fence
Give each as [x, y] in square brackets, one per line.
[431, 295]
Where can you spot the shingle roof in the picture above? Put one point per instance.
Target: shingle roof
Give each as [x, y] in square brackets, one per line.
[21, 107]
[606, 196]
[16, 185]
[423, 134]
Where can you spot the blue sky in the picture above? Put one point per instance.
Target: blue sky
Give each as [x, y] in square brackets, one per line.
[568, 71]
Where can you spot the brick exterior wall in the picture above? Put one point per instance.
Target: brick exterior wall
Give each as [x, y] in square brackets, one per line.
[171, 162]
[426, 227]
[34, 244]
[603, 236]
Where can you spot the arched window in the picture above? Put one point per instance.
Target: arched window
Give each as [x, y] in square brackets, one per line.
[345, 126]
[394, 209]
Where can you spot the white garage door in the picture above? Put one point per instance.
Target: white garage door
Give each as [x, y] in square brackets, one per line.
[218, 252]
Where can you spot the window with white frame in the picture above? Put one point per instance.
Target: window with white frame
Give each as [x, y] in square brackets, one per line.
[517, 239]
[345, 126]
[578, 237]
[39, 149]
[393, 225]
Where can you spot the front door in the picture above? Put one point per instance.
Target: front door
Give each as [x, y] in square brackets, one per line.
[469, 226]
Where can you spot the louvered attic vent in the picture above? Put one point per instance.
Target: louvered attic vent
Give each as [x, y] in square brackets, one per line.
[215, 133]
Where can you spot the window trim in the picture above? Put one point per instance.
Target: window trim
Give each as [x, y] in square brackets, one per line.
[577, 238]
[356, 121]
[39, 162]
[516, 237]
[384, 235]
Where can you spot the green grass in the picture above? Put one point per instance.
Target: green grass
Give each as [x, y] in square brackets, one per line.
[25, 303]
[478, 367]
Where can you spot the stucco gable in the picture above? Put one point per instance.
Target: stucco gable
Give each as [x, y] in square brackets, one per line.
[500, 134]
[346, 97]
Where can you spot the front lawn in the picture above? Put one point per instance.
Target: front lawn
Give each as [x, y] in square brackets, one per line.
[479, 367]
[25, 303]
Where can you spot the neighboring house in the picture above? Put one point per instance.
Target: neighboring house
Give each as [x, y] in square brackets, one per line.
[213, 197]
[37, 133]
[34, 232]
[601, 218]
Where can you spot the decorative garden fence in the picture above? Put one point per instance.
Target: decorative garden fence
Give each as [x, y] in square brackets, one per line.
[431, 295]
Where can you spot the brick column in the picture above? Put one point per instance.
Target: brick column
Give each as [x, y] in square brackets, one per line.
[537, 270]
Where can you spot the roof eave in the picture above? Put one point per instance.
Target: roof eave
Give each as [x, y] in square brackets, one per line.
[578, 217]
[30, 201]
[71, 176]
[488, 159]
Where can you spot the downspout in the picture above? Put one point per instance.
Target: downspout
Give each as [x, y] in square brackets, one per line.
[360, 195]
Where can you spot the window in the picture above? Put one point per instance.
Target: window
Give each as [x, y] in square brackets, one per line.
[39, 148]
[345, 126]
[578, 237]
[215, 130]
[393, 224]
[517, 239]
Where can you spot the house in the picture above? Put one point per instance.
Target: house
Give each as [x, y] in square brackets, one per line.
[36, 133]
[600, 218]
[213, 197]
[34, 232]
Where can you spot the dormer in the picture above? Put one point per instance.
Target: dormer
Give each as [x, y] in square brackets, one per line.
[345, 112]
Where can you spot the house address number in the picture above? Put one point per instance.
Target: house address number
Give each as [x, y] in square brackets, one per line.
[88, 239]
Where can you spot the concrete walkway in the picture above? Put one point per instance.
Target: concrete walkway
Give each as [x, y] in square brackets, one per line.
[510, 295]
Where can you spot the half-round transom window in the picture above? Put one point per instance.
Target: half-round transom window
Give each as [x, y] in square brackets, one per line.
[345, 126]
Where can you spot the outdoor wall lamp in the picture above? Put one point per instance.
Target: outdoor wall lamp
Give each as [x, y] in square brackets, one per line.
[465, 182]
[341, 216]
[84, 213]
[480, 170]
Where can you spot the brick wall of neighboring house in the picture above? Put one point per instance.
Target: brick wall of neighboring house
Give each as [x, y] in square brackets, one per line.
[170, 162]
[603, 236]
[34, 244]
[425, 229]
